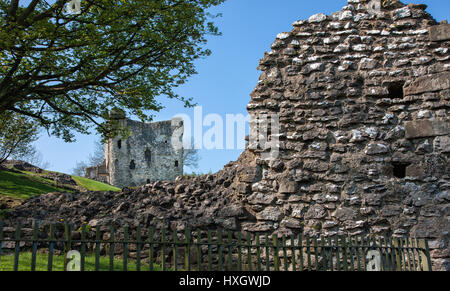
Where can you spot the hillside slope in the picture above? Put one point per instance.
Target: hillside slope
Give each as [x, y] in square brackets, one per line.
[21, 181]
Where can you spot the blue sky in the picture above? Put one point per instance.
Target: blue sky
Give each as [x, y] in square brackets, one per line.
[226, 78]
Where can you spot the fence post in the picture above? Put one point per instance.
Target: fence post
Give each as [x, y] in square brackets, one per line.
[344, 252]
[276, 252]
[300, 246]
[294, 263]
[410, 246]
[316, 252]
[187, 252]
[391, 252]
[266, 241]
[258, 253]
[425, 255]
[1, 239]
[151, 249]
[209, 251]
[138, 248]
[239, 252]
[111, 248]
[67, 243]
[199, 251]
[175, 250]
[338, 256]
[34, 251]
[406, 245]
[125, 248]
[308, 252]
[97, 247]
[17, 245]
[402, 252]
[163, 248]
[51, 246]
[330, 254]
[219, 249]
[249, 252]
[383, 257]
[83, 247]
[427, 249]
[283, 240]
[324, 253]
[230, 251]
[352, 257]
[398, 253]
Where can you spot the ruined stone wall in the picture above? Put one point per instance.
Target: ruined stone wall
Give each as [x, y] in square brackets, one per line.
[153, 152]
[363, 101]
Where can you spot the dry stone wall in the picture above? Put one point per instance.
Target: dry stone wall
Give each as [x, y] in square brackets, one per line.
[363, 103]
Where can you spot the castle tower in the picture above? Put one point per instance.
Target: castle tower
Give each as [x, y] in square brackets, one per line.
[153, 152]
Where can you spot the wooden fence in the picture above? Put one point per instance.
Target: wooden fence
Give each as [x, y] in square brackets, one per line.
[150, 249]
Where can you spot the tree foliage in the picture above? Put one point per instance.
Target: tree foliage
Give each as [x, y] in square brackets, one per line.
[17, 133]
[67, 71]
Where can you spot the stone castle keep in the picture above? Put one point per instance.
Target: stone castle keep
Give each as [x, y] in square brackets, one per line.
[153, 152]
[362, 97]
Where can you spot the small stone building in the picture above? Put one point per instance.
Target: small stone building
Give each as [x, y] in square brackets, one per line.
[98, 173]
[153, 152]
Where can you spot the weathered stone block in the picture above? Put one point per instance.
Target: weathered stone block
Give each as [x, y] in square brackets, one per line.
[316, 166]
[439, 32]
[243, 188]
[257, 227]
[429, 83]
[416, 171]
[316, 212]
[287, 186]
[232, 211]
[250, 174]
[291, 223]
[270, 214]
[391, 210]
[260, 198]
[377, 148]
[345, 213]
[426, 128]
[442, 144]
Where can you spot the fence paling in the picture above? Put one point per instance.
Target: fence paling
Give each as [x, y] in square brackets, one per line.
[339, 253]
[50, 251]
[17, 246]
[111, 249]
[1, 239]
[151, 249]
[35, 246]
[97, 250]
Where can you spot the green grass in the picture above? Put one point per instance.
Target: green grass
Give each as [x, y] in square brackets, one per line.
[23, 186]
[7, 263]
[92, 185]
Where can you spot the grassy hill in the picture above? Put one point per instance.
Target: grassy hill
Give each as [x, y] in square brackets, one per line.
[17, 186]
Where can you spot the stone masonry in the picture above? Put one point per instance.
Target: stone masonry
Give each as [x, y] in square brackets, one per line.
[153, 152]
[363, 100]
[362, 97]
